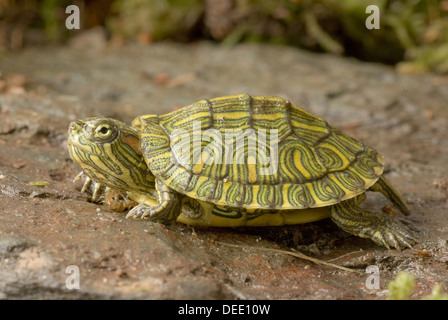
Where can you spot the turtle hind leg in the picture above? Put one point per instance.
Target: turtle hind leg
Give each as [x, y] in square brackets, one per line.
[383, 229]
[383, 186]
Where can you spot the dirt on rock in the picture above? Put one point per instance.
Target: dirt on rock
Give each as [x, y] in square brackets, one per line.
[47, 225]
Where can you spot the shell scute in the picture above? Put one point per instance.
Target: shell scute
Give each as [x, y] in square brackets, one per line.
[227, 154]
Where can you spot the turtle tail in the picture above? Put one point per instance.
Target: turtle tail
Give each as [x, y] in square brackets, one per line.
[383, 186]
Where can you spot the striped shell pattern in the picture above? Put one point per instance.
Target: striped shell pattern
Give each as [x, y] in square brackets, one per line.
[278, 156]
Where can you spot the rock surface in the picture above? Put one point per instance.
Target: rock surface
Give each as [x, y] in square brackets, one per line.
[45, 229]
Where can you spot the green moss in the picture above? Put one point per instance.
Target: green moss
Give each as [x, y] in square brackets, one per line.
[403, 286]
[436, 294]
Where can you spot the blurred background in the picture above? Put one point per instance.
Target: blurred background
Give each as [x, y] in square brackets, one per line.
[136, 57]
[413, 36]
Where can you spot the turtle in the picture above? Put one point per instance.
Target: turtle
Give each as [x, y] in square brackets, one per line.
[239, 160]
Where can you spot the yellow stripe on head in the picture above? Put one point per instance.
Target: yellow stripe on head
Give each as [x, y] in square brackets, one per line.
[109, 152]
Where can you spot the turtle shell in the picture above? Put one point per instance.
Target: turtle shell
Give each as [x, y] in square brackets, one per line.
[256, 152]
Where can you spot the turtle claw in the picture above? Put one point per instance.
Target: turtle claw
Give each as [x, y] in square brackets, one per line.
[153, 213]
[141, 211]
[395, 236]
[87, 181]
[78, 176]
[96, 191]
[89, 184]
[381, 228]
[398, 235]
[165, 210]
[144, 211]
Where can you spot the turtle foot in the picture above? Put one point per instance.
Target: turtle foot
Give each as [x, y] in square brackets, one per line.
[91, 186]
[152, 213]
[381, 228]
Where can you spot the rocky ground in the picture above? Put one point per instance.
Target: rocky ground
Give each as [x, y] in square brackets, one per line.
[46, 228]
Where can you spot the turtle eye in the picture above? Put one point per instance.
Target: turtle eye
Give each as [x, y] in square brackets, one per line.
[103, 131]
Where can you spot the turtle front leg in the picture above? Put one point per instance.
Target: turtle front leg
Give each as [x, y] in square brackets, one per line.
[115, 199]
[95, 187]
[165, 210]
[383, 229]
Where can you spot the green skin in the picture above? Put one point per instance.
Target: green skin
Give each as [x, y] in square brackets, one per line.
[109, 153]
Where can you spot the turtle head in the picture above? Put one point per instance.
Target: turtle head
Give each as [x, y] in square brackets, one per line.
[108, 151]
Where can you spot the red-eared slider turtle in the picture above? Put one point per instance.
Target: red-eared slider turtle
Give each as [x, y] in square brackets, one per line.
[240, 161]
